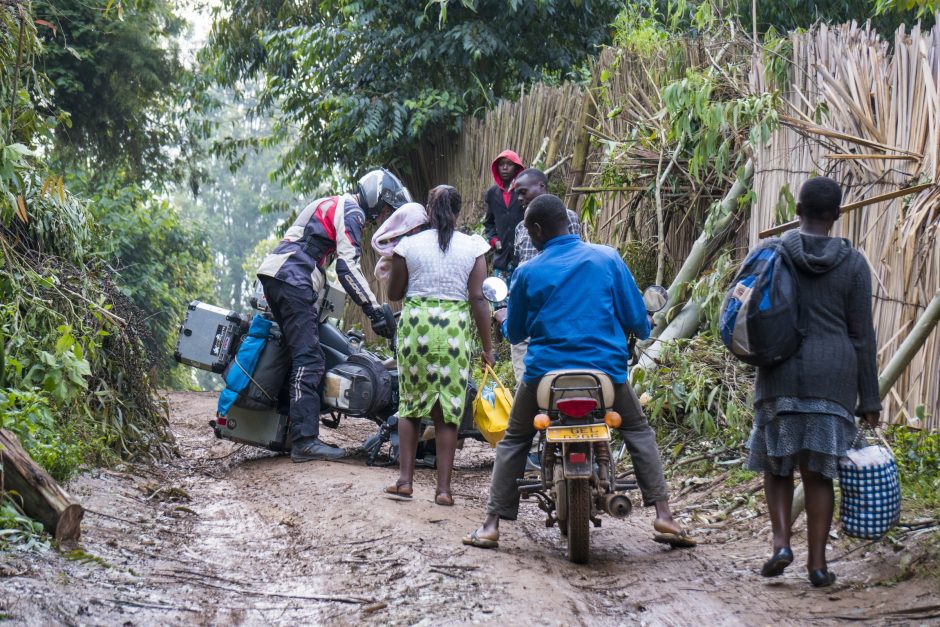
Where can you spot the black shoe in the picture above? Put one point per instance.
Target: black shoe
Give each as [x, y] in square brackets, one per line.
[310, 450]
[775, 566]
[821, 577]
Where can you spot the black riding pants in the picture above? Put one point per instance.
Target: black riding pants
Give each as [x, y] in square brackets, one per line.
[294, 311]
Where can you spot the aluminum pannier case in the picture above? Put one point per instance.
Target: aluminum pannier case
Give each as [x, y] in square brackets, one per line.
[208, 336]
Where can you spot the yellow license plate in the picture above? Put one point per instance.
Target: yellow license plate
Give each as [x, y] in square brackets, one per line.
[587, 433]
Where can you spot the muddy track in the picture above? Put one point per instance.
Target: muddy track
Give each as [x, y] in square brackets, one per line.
[232, 535]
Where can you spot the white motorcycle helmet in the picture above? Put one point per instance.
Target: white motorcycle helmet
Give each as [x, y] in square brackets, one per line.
[378, 187]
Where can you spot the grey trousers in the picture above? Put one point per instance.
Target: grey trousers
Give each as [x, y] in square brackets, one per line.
[512, 450]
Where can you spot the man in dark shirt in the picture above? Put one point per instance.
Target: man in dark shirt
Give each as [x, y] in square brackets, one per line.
[576, 303]
[503, 212]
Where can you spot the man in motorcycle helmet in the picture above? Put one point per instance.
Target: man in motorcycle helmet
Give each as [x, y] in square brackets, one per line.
[293, 277]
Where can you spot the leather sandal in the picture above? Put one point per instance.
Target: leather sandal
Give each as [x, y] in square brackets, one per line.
[400, 490]
[444, 498]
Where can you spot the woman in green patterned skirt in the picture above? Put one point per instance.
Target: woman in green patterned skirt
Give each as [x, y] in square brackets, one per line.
[439, 272]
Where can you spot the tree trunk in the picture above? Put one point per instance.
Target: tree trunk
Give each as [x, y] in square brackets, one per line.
[41, 496]
[684, 325]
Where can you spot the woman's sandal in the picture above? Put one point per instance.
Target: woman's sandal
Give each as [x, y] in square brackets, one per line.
[821, 577]
[775, 566]
[444, 498]
[399, 490]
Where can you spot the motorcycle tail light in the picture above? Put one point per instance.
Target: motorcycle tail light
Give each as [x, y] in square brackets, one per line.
[577, 458]
[221, 421]
[577, 407]
[612, 419]
[541, 421]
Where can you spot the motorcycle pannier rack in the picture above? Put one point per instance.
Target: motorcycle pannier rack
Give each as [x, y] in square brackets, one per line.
[207, 336]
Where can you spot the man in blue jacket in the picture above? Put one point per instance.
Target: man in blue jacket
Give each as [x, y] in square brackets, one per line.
[576, 303]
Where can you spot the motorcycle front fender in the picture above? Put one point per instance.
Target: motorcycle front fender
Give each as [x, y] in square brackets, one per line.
[578, 469]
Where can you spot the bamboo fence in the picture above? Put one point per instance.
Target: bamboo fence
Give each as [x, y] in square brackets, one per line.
[866, 114]
[854, 110]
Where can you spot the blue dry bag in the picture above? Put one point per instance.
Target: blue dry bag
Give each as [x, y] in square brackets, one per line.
[246, 360]
[760, 317]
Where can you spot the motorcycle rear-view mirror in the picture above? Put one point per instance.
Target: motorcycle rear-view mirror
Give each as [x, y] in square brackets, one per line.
[655, 297]
[495, 289]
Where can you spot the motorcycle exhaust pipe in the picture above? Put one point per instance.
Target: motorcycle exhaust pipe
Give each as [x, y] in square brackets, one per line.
[618, 505]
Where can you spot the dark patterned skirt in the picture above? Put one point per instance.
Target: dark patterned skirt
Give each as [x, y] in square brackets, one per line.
[790, 432]
[433, 358]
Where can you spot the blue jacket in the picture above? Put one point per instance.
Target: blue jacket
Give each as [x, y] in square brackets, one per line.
[576, 303]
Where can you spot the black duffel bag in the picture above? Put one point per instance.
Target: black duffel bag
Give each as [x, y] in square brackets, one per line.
[268, 378]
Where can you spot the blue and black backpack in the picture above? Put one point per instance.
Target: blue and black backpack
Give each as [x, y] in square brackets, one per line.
[760, 317]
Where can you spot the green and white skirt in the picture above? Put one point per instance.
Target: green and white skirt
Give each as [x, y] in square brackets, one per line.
[433, 358]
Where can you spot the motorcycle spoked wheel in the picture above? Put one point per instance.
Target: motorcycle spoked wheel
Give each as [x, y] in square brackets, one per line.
[579, 520]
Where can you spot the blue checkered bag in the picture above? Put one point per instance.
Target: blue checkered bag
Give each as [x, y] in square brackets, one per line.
[871, 493]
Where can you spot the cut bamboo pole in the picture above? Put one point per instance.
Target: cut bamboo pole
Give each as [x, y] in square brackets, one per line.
[833, 155]
[851, 207]
[825, 132]
[909, 347]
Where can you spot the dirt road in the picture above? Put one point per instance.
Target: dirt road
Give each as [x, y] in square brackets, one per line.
[232, 535]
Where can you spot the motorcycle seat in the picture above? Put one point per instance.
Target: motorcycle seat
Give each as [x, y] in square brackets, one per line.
[572, 384]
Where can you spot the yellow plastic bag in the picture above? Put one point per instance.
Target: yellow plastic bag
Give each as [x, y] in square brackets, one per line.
[491, 408]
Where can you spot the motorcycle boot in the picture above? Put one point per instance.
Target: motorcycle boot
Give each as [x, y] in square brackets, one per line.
[313, 449]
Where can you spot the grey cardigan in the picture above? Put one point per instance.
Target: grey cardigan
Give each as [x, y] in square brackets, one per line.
[836, 361]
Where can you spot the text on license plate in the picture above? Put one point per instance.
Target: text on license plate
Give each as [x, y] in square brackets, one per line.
[586, 433]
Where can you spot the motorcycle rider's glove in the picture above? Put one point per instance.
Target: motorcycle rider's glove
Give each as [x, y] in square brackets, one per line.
[383, 321]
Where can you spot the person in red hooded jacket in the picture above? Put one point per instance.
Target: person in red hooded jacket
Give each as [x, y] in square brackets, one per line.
[503, 211]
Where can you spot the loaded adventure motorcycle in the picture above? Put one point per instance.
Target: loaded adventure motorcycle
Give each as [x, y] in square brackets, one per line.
[577, 478]
[357, 382]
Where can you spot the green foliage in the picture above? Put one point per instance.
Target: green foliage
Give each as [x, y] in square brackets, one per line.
[699, 389]
[18, 531]
[713, 124]
[362, 82]
[785, 15]
[917, 454]
[74, 360]
[923, 8]
[161, 261]
[118, 80]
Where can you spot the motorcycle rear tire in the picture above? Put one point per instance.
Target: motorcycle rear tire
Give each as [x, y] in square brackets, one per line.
[561, 506]
[579, 520]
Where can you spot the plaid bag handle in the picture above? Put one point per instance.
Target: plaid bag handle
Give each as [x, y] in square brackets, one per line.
[860, 437]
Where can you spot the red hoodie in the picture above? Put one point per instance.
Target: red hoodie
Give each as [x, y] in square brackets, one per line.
[512, 156]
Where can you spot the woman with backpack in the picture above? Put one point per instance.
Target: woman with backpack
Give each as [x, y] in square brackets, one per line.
[805, 406]
[439, 272]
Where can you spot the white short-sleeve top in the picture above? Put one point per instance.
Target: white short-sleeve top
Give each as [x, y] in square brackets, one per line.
[436, 274]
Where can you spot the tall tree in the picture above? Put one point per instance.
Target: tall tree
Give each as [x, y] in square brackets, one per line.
[239, 206]
[117, 77]
[357, 83]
